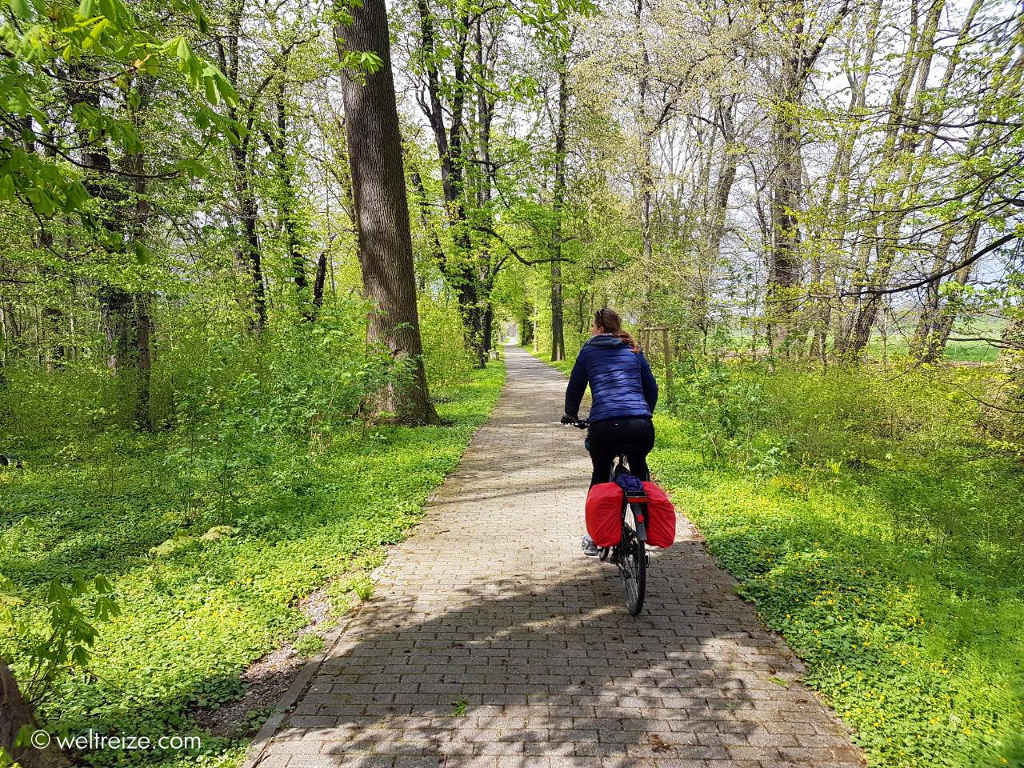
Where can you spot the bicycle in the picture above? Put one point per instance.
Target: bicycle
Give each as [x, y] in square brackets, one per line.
[630, 554]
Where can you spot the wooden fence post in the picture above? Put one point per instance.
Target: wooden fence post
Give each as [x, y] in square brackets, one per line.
[666, 350]
[668, 362]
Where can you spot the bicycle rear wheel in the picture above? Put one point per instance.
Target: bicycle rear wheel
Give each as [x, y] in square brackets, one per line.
[633, 568]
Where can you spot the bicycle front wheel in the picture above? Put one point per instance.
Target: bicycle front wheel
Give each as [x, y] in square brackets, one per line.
[633, 567]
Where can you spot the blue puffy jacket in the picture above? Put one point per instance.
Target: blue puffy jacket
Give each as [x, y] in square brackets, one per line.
[621, 382]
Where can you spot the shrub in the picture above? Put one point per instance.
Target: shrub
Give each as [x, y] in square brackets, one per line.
[726, 406]
[445, 357]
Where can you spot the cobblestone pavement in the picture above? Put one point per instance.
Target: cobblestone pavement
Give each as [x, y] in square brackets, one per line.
[490, 640]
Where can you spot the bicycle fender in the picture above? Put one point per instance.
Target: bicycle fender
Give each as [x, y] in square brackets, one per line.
[640, 518]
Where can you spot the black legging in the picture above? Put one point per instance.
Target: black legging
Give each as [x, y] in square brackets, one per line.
[607, 439]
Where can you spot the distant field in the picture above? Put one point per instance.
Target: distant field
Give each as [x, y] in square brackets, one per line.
[956, 351]
[973, 351]
[976, 351]
[897, 342]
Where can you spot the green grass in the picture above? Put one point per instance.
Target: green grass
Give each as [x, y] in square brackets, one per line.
[971, 351]
[976, 351]
[879, 534]
[956, 351]
[565, 366]
[910, 632]
[197, 608]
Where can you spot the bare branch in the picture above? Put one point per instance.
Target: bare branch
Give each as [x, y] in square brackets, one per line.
[937, 275]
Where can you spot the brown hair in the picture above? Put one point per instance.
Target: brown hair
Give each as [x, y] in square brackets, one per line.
[610, 322]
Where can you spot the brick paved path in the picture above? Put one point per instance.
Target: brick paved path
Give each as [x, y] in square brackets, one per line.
[491, 641]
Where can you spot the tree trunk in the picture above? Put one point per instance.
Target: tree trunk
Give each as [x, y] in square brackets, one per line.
[798, 60]
[525, 324]
[473, 321]
[137, 215]
[53, 316]
[318, 284]
[932, 298]
[288, 203]
[838, 214]
[715, 218]
[488, 329]
[114, 302]
[558, 203]
[943, 326]
[933, 344]
[379, 193]
[901, 141]
[51, 332]
[646, 173]
[143, 322]
[15, 714]
[249, 252]
[460, 271]
[784, 280]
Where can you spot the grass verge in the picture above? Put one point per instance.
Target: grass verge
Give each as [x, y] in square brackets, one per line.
[209, 566]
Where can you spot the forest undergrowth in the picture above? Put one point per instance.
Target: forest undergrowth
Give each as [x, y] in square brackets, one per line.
[264, 484]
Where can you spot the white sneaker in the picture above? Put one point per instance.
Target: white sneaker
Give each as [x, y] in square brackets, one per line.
[589, 547]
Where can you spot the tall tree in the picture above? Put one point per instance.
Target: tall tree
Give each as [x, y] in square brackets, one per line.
[382, 210]
[558, 204]
[449, 139]
[800, 50]
[249, 251]
[288, 200]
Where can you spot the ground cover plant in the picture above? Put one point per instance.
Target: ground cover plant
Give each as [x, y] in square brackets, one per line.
[209, 537]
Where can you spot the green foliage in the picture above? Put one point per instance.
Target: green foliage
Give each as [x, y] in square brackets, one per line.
[45, 39]
[300, 380]
[64, 641]
[874, 529]
[309, 645]
[726, 408]
[212, 532]
[214, 388]
[746, 413]
[446, 360]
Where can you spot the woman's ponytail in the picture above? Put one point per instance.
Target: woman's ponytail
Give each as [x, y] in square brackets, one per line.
[609, 321]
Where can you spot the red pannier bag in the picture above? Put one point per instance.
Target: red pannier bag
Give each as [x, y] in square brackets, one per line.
[604, 514]
[661, 517]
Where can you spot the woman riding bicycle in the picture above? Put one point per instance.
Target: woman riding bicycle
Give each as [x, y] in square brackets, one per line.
[623, 394]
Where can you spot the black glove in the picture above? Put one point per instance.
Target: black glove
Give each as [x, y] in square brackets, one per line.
[567, 419]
